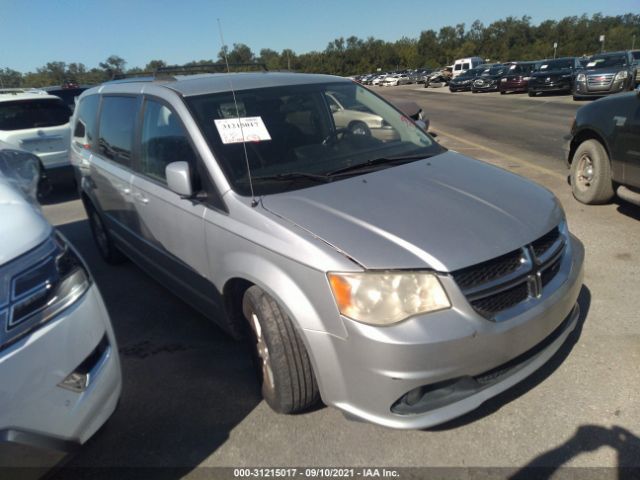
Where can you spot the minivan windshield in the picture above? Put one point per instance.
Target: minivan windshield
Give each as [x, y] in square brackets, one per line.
[300, 135]
[605, 61]
[559, 64]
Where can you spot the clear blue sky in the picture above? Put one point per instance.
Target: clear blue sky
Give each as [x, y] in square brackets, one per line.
[34, 32]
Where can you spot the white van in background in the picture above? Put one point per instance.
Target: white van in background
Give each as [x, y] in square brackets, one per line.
[463, 64]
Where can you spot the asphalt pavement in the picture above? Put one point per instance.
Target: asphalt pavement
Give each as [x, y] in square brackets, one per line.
[190, 397]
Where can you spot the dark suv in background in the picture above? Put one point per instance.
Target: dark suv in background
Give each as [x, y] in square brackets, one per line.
[607, 73]
[517, 77]
[557, 75]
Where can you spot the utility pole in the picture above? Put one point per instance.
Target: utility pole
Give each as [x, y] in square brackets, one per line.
[555, 49]
[633, 42]
[602, 42]
[288, 61]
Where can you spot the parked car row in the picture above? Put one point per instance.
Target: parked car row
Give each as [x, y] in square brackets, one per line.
[389, 79]
[599, 75]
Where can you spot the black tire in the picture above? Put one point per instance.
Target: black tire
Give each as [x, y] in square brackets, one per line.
[591, 174]
[359, 128]
[103, 240]
[502, 92]
[287, 379]
[532, 94]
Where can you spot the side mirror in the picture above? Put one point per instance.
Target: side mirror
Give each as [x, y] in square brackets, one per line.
[179, 178]
[422, 124]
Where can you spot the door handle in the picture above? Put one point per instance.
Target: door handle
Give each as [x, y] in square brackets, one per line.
[140, 197]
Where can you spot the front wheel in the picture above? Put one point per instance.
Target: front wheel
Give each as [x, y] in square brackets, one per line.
[286, 374]
[591, 174]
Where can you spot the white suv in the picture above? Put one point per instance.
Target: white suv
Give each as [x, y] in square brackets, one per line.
[60, 374]
[37, 122]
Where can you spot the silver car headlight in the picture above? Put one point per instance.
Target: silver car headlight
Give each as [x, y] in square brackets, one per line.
[621, 75]
[388, 297]
[581, 77]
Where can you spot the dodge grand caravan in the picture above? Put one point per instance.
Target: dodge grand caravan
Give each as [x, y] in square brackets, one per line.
[400, 282]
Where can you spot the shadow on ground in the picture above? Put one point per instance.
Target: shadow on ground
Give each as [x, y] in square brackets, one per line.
[496, 403]
[186, 384]
[587, 438]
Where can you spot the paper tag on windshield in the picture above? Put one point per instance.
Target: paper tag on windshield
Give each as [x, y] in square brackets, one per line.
[591, 64]
[543, 67]
[231, 131]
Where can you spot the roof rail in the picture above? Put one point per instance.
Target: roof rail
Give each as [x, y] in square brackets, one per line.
[208, 68]
[166, 73]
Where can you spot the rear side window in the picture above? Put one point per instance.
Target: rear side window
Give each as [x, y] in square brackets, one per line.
[465, 66]
[85, 127]
[117, 123]
[458, 66]
[40, 113]
[163, 141]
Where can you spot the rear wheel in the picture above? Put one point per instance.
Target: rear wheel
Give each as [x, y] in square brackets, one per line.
[591, 174]
[286, 374]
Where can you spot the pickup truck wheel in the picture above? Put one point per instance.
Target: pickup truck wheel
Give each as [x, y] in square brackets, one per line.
[591, 174]
[288, 381]
[106, 247]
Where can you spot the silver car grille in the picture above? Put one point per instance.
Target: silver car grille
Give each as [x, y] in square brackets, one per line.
[601, 80]
[501, 283]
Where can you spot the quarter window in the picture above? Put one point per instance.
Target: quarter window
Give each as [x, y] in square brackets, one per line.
[164, 140]
[117, 122]
[84, 130]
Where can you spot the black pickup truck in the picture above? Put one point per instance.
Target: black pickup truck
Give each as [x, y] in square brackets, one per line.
[604, 150]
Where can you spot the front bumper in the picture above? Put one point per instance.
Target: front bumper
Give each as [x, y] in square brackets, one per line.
[583, 90]
[35, 410]
[485, 88]
[514, 86]
[367, 373]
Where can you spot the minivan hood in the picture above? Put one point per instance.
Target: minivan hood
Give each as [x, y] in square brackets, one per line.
[444, 213]
[22, 227]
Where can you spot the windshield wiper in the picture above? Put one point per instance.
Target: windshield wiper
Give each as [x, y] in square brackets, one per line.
[293, 176]
[369, 164]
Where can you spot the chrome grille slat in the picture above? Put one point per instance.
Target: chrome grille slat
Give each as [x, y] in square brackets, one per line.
[501, 283]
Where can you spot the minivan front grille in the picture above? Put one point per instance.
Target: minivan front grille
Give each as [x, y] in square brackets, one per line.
[496, 285]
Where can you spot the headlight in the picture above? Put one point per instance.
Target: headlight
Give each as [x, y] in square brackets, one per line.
[621, 75]
[526, 78]
[385, 298]
[51, 282]
[503, 80]
[581, 77]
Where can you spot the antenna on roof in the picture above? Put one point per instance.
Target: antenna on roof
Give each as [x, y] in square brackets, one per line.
[254, 202]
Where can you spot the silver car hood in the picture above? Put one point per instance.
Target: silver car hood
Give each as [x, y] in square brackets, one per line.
[22, 227]
[444, 213]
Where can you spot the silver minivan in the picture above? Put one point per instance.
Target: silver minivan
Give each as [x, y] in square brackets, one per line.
[400, 282]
